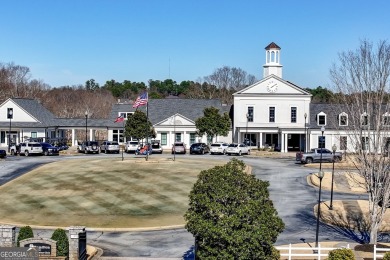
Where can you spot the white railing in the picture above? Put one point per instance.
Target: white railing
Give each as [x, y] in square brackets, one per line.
[378, 249]
[317, 252]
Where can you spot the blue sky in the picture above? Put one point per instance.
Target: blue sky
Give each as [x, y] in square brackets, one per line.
[69, 42]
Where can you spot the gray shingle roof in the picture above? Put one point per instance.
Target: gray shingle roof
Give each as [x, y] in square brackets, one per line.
[34, 108]
[331, 110]
[159, 109]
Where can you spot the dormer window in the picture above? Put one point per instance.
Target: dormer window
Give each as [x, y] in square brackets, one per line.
[321, 119]
[343, 119]
[386, 119]
[125, 114]
[364, 119]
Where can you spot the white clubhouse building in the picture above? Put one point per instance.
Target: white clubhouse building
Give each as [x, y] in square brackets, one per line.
[272, 112]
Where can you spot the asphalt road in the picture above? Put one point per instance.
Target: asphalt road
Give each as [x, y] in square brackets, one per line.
[293, 198]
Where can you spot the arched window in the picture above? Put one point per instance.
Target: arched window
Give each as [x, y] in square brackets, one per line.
[321, 119]
[343, 119]
[272, 56]
[386, 119]
[364, 119]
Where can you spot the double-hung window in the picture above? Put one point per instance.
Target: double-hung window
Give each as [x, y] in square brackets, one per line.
[272, 114]
[250, 114]
[293, 114]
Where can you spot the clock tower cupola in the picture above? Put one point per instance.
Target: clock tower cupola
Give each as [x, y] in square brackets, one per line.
[272, 63]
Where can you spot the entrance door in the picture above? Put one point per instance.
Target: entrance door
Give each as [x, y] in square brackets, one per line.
[294, 143]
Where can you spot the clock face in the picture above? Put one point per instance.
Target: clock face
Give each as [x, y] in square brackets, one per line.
[272, 86]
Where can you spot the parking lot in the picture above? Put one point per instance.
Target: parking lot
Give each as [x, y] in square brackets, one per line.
[293, 197]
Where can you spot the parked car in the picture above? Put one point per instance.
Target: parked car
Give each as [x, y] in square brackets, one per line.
[179, 147]
[199, 148]
[316, 154]
[156, 147]
[110, 147]
[218, 148]
[3, 153]
[29, 148]
[131, 146]
[89, 147]
[238, 149]
[49, 149]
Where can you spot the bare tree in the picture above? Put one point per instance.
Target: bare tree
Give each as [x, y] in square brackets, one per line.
[15, 82]
[230, 78]
[73, 102]
[361, 82]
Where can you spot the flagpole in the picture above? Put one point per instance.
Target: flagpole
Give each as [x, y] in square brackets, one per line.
[147, 130]
[123, 137]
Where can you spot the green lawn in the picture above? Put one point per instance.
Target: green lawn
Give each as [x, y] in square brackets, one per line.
[103, 193]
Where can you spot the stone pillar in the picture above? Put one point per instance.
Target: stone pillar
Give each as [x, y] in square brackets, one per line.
[7, 236]
[75, 232]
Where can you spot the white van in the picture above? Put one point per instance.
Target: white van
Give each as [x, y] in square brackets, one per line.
[31, 148]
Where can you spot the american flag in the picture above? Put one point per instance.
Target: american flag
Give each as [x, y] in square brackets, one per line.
[141, 100]
[119, 119]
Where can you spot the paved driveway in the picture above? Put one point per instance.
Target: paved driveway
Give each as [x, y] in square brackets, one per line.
[293, 197]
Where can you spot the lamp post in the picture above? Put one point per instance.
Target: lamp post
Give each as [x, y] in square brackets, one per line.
[334, 148]
[174, 137]
[305, 115]
[10, 114]
[246, 131]
[322, 144]
[320, 176]
[86, 126]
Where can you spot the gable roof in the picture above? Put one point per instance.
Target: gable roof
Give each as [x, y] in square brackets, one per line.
[33, 108]
[300, 90]
[161, 109]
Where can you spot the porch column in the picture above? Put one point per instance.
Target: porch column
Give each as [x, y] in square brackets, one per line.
[282, 143]
[285, 143]
[73, 137]
[260, 140]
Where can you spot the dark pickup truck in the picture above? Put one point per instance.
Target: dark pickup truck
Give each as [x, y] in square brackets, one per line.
[315, 156]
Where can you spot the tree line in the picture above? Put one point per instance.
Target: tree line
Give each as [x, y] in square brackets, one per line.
[73, 101]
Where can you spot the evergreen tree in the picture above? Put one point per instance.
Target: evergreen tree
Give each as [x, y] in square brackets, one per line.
[231, 215]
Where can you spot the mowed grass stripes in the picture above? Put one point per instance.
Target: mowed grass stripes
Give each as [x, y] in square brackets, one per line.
[106, 193]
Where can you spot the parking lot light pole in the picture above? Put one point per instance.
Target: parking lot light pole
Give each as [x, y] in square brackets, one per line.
[10, 114]
[305, 115]
[246, 131]
[86, 126]
[322, 144]
[320, 176]
[334, 148]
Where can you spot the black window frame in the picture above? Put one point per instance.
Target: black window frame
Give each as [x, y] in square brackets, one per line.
[294, 114]
[250, 114]
[272, 114]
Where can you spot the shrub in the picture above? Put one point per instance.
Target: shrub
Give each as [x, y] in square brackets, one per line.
[24, 233]
[341, 254]
[386, 256]
[60, 236]
[231, 215]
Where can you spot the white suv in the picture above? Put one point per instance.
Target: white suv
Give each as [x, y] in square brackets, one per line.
[31, 148]
[218, 148]
[131, 146]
